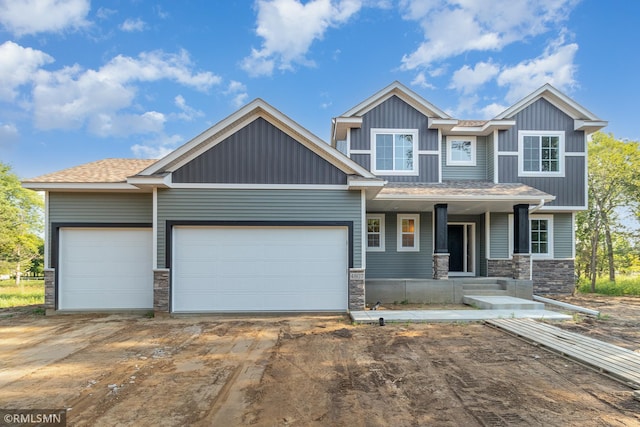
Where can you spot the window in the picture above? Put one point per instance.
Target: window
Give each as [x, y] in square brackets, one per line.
[375, 233]
[461, 151]
[408, 233]
[394, 151]
[541, 236]
[541, 153]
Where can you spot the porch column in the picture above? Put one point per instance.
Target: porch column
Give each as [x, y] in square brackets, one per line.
[441, 244]
[521, 236]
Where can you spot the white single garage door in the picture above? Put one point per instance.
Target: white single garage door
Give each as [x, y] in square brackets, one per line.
[105, 268]
[259, 269]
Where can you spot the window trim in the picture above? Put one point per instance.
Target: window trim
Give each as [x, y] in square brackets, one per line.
[380, 248]
[549, 253]
[472, 140]
[378, 131]
[416, 233]
[561, 153]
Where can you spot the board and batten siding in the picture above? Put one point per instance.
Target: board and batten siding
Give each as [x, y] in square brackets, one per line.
[99, 208]
[477, 172]
[491, 147]
[392, 264]
[259, 205]
[259, 153]
[544, 116]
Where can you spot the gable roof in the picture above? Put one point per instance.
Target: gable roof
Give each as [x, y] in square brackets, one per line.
[583, 118]
[245, 115]
[106, 173]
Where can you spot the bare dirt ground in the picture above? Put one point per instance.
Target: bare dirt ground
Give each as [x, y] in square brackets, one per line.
[307, 370]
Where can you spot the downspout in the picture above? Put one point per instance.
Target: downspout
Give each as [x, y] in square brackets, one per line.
[538, 206]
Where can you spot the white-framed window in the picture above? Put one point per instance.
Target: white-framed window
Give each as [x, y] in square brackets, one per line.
[394, 151]
[540, 153]
[375, 233]
[461, 150]
[408, 233]
[541, 240]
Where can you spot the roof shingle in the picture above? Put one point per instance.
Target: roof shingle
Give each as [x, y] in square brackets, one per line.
[101, 171]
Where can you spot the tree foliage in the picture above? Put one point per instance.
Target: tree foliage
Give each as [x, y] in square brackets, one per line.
[613, 180]
[21, 224]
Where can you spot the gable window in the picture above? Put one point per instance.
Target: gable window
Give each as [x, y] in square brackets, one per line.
[541, 236]
[540, 153]
[461, 150]
[408, 233]
[375, 233]
[395, 151]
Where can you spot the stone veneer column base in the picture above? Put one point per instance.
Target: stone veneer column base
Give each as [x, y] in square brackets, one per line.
[161, 290]
[49, 289]
[522, 266]
[356, 289]
[554, 276]
[440, 266]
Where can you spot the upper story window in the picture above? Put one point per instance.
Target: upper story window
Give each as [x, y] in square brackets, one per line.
[408, 233]
[540, 153]
[395, 151]
[375, 232]
[461, 150]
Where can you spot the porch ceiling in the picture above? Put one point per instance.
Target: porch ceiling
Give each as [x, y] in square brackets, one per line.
[462, 197]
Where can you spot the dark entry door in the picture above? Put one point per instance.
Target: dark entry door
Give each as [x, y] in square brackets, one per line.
[456, 247]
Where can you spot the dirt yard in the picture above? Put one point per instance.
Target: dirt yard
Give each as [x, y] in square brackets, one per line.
[307, 370]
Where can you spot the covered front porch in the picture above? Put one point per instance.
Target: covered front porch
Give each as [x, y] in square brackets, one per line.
[435, 243]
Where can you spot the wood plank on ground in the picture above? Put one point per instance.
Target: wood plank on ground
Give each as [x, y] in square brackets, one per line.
[617, 362]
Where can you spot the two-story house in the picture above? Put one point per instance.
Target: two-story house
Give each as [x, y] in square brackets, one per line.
[258, 214]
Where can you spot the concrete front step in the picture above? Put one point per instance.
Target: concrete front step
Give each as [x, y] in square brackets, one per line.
[485, 292]
[501, 303]
[482, 286]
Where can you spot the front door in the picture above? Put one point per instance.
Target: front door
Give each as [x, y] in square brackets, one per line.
[461, 249]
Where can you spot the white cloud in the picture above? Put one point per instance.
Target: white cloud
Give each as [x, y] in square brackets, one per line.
[17, 67]
[421, 81]
[188, 113]
[105, 13]
[289, 27]
[22, 17]
[453, 27]
[492, 110]
[158, 147]
[73, 97]
[555, 66]
[8, 134]
[468, 79]
[238, 93]
[131, 25]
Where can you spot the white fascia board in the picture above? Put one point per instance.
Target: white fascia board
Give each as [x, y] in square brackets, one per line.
[404, 93]
[483, 130]
[444, 124]
[220, 186]
[150, 181]
[589, 126]
[79, 186]
[557, 98]
[452, 198]
[341, 126]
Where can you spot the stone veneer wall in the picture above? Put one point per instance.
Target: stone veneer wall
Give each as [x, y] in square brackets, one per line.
[356, 289]
[50, 288]
[554, 276]
[440, 266]
[499, 268]
[521, 267]
[161, 290]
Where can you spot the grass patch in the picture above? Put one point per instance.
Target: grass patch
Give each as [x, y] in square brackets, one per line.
[624, 285]
[28, 293]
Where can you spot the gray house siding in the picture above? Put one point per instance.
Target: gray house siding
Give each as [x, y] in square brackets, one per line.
[259, 205]
[477, 172]
[499, 236]
[99, 208]
[392, 264]
[542, 115]
[569, 191]
[259, 153]
[490, 144]
[563, 236]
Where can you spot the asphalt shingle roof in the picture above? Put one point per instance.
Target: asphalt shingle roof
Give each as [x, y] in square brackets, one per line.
[101, 171]
[462, 188]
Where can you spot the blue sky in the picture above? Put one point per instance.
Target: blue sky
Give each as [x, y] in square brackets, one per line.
[83, 80]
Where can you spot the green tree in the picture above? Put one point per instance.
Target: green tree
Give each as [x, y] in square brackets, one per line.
[612, 179]
[21, 224]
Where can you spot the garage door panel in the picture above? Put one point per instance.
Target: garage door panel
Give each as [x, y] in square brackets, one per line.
[259, 268]
[105, 268]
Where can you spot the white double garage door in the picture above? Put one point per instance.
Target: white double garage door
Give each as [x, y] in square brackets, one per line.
[213, 268]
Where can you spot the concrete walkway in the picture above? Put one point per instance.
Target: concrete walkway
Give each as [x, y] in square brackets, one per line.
[492, 307]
